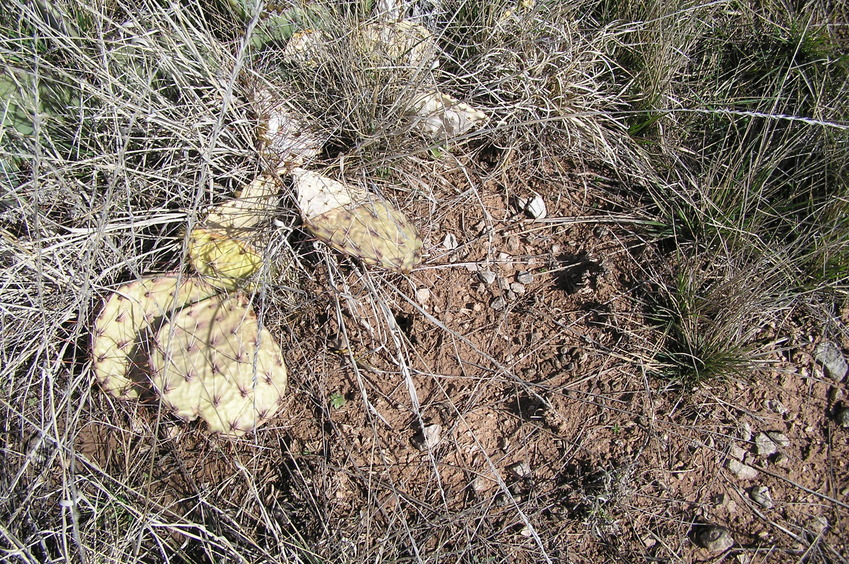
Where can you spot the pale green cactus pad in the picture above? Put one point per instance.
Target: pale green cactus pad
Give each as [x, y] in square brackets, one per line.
[354, 222]
[214, 362]
[127, 315]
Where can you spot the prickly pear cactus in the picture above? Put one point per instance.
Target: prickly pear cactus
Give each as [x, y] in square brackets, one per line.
[225, 248]
[224, 262]
[351, 221]
[443, 118]
[214, 362]
[117, 338]
[401, 43]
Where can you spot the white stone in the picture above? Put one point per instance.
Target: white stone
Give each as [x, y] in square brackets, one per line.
[533, 206]
[422, 295]
[742, 471]
[764, 445]
[487, 276]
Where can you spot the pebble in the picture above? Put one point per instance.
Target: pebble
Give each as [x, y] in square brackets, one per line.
[761, 496]
[524, 277]
[714, 538]
[520, 470]
[482, 484]
[498, 304]
[533, 206]
[841, 416]
[776, 407]
[428, 438]
[487, 276]
[832, 360]
[513, 243]
[818, 524]
[764, 445]
[517, 288]
[779, 438]
[742, 471]
[736, 452]
[422, 295]
[745, 431]
[450, 241]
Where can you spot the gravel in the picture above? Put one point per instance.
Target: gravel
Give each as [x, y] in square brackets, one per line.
[741, 470]
[487, 276]
[524, 277]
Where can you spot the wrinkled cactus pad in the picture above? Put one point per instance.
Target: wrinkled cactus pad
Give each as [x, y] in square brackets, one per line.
[117, 358]
[354, 222]
[224, 262]
[214, 362]
[226, 247]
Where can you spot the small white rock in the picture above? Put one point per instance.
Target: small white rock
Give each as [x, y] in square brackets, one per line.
[498, 304]
[776, 407]
[764, 445]
[422, 295]
[517, 288]
[533, 206]
[832, 360]
[520, 469]
[429, 437]
[524, 277]
[742, 471]
[779, 438]
[487, 276]
[736, 452]
[761, 496]
[450, 241]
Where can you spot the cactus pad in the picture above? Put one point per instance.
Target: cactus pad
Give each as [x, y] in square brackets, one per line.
[127, 314]
[402, 43]
[224, 262]
[351, 221]
[224, 248]
[214, 362]
[442, 118]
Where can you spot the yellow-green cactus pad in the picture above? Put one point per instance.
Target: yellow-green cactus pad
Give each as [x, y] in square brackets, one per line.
[223, 261]
[117, 362]
[214, 362]
[354, 222]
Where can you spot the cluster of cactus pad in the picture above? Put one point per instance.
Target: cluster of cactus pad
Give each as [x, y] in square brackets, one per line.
[203, 352]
